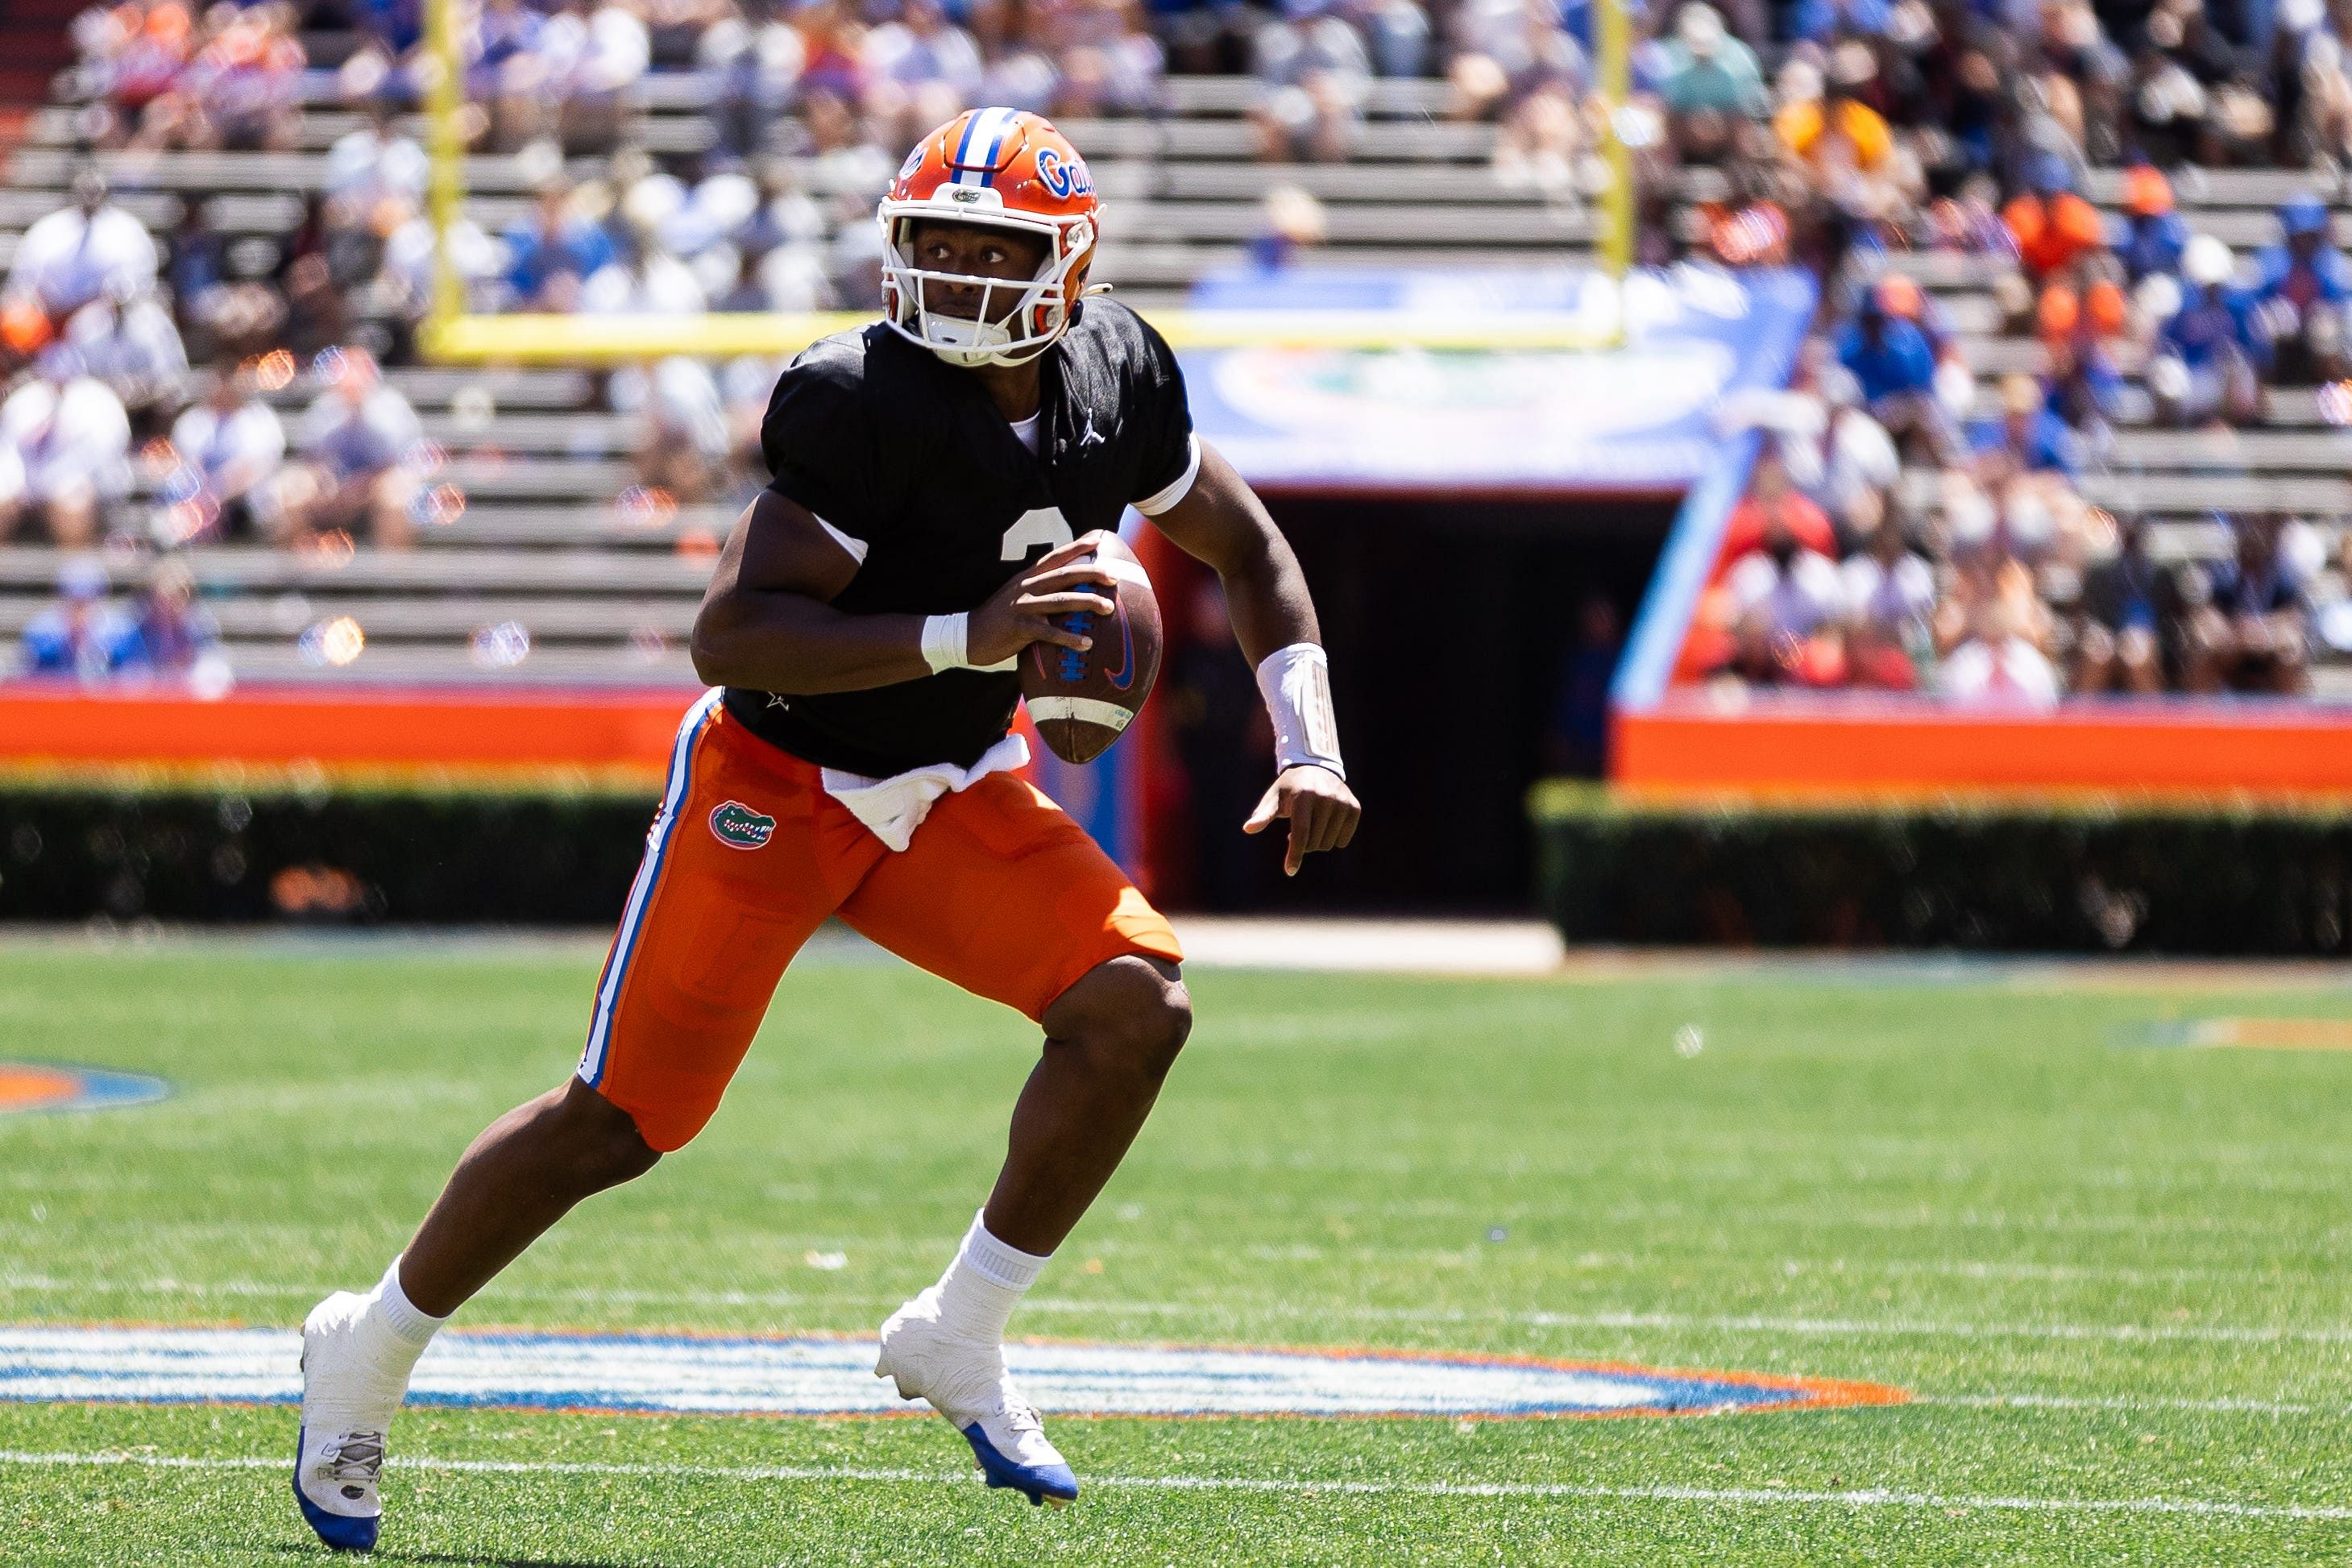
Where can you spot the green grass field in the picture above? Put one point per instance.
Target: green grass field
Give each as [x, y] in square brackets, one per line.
[2112, 1276]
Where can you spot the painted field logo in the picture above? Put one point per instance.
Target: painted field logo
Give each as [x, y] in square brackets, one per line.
[738, 826]
[823, 1376]
[2250, 1034]
[33, 1086]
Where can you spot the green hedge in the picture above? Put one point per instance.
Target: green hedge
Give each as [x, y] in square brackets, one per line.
[2218, 879]
[71, 852]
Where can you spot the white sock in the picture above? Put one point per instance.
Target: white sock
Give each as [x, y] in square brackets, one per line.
[367, 1347]
[985, 1282]
[409, 1323]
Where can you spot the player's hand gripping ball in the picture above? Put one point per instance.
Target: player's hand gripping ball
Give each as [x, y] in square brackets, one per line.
[1082, 699]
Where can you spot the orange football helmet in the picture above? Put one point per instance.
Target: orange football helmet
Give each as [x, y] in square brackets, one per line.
[1004, 168]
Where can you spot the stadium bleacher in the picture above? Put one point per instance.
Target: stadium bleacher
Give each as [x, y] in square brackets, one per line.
[548, 539]
[607, 592]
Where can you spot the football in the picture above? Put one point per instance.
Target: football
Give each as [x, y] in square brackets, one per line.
[1081, 702]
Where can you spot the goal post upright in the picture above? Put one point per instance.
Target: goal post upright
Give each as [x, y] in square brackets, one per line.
[451, 334]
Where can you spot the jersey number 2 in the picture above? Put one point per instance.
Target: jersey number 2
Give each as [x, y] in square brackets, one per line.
[1047, 526]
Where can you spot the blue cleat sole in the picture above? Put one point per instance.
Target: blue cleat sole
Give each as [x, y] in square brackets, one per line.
[1040, 1484]
[339, 1530]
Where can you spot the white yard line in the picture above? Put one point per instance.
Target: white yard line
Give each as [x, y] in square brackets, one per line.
[1753, 1497]
[2133, 1403]
[1811, 1326]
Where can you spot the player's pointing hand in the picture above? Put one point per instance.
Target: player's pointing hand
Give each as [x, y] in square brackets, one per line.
[1023, 611]
[1322, 810]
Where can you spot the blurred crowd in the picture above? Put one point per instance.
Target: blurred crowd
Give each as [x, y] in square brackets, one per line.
[1917, 521]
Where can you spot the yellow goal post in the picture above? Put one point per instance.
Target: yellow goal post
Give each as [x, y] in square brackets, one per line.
[452, 335]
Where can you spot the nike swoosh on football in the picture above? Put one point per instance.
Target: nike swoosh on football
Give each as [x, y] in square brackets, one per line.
[1124, 675]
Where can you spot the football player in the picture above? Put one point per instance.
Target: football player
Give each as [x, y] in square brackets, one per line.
[936, 475]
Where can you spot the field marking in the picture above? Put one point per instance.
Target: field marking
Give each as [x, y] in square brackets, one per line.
[817, 1375]
[1771, 1497]
[2224, 1334]
[2129, 1404]
[1809, 1327]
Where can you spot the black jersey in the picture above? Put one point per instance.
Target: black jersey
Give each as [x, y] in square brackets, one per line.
[906, 456]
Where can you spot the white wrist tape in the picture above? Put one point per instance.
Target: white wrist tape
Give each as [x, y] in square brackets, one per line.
[1295, 682]
[944, 641]
[947, 643]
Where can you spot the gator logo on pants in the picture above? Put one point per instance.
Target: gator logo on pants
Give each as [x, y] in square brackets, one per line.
[738, 826]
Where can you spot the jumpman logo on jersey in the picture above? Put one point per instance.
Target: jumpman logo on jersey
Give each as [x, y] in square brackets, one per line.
[1087, 438]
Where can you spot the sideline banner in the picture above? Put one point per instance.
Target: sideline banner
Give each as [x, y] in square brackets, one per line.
[1639, 417]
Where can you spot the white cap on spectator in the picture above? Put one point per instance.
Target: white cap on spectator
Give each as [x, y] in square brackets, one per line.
[2206, 261]
[1700, 28]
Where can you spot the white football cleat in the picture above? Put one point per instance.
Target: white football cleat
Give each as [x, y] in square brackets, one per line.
[346, 1412]
[964, 1380]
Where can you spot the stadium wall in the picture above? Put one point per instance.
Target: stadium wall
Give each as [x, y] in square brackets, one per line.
[2089, 875]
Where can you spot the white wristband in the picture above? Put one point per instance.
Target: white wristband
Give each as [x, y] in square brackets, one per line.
[947, 645]
[944, 641]
[1295, 682]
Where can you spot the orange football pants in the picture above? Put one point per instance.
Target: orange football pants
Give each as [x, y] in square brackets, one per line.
[1000, 892]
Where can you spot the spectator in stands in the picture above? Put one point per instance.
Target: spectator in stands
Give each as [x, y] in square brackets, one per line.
[1017, 68]
[89, 251]
[1999, 667]
[1823, 122]
[169, 632]
[2168, 103]
[359, 442]
[1509, 52]
[80, 635]
[755, 65]
[132, 55]
[2303, 285]
[594, 58]
[72, 438]
[1890, 594]
[243, 88]
[2028, 437]
[1292, 225]
[135, 350]
[1108, 63]
[2153, 235]
[509, 74]
[645, 279]
[1708, 83]
[375, 164]
[219, 313]
[2054, 228]
[2131, 609]
[1314, 76]
[1773, 503]
[923, 70]
[840, 157]
[1784, 597]
[1969, 221]
[2061, 242]
[2252, 632]
[229, 446]
[2086, 388]
[555, 249]
[1837, 454]
[2207, 355]
[1893, 365]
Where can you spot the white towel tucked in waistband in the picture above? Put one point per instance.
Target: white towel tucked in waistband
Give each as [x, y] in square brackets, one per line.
[894, 807]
